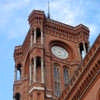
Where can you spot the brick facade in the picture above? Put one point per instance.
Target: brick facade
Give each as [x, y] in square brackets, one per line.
[34, 61]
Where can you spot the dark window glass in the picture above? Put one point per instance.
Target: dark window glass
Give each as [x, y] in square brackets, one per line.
[56, 80]
[66, 78]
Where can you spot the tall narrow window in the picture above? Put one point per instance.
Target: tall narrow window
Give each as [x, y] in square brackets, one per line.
[81, 50]
[38, 33]
[17, 96]
[86, 45]
[66, 78]
[56, 80]
[18, 71]
[38, 69]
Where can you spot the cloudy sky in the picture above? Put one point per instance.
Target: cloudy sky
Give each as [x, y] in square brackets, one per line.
[14, 27]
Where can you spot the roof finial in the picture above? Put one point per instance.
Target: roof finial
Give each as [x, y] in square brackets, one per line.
[48, 9]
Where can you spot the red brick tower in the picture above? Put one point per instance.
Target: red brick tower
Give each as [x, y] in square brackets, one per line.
[46, 61]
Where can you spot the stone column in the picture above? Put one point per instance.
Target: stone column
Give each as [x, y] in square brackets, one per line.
[42, 70]
[34, 35]
[34, 76]
[15, 74]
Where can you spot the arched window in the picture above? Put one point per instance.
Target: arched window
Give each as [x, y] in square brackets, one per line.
[86, 46]
[66, 77]
[19, 71]
[81, 50]
[17, 96]
[38, 33]
[38, 68]
[56, 79]
[38, 62]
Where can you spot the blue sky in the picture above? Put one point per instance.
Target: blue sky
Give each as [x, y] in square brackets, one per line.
[14, 27]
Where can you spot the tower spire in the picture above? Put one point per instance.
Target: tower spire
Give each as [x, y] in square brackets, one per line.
[48, 9]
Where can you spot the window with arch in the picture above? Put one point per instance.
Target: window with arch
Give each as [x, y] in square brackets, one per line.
[66, 77]
[83, 49]
[17, 96]
[19, 71]
[38, 68]
[38, 33]
[57, 79]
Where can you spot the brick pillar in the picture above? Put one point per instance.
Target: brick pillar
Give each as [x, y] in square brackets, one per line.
[34, 76]
[30, 72]
[34, 35]
[31, 40]
[42, 60]
[41, 37]
[42, 70]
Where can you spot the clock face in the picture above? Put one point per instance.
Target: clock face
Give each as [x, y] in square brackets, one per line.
[59, 52]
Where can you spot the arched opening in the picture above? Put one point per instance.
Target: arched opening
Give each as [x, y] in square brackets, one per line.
[38, 61]
[81, 49]
[18, 72]
[38, 68]
[38, 34]
[17, 96]
[57, 79]
[66, 77]
[86, 46]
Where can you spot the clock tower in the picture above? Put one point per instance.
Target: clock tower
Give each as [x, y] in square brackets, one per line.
[48, 58]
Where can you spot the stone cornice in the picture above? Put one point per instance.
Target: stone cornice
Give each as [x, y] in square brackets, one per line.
[65, 33]
[66, 28]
